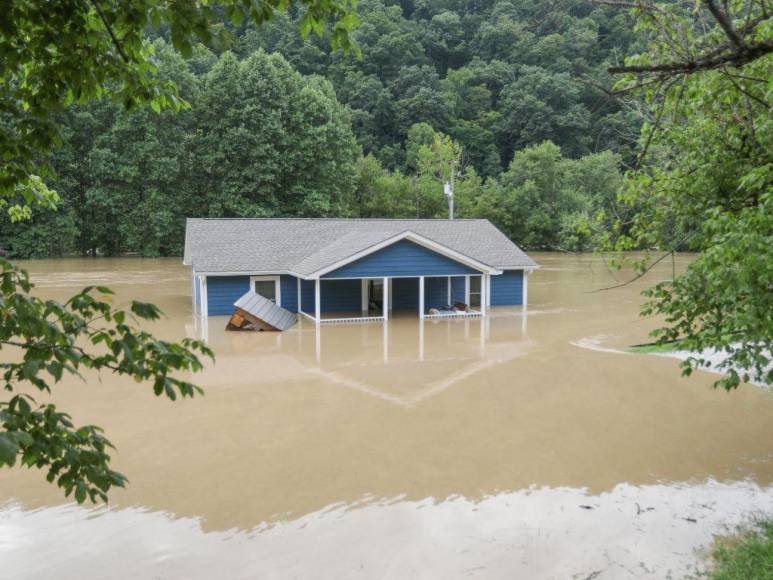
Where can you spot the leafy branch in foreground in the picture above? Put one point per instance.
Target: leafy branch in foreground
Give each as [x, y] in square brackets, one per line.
[705, 183]
[698, 36]
[45, 341]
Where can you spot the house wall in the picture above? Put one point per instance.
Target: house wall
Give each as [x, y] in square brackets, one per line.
[288, 287]
[405, 294]
[403, 258]
[457, 289]
[307, 296]
[507, 288]
[341, 295]
[435, 293]
[345, 295]
[223, 291]
[335, 296]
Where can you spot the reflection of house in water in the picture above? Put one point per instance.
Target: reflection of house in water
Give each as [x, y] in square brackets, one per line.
[402, 361]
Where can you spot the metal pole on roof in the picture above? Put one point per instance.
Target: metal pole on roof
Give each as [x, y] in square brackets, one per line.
[448, 189]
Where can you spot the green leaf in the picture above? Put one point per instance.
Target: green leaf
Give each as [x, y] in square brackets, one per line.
[9, 449]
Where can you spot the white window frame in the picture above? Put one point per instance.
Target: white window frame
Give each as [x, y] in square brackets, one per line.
[277, 285]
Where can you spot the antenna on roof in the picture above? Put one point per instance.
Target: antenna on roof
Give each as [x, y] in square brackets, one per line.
[448, 190]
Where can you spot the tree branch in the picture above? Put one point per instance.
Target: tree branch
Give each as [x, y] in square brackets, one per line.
[110, 32]
[724, 22]
[639, 275]
[751, 52]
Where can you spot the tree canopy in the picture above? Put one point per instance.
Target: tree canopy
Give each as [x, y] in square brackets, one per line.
[495, 78]
[704, 179]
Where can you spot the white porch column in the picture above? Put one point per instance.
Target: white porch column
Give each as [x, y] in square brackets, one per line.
[483, 292]
[526, 287]
[317, 300]
[448, 287]
[385, 324]
[318, 342]
[421, 338]
[467, 290]
[421, 297]
[385, 299]
[193, 292]
[299, 294]
[203, 296]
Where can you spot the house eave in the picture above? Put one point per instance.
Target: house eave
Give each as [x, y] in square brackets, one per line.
[250, 273]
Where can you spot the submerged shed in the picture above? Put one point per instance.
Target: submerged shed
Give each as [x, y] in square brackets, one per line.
[255, 312]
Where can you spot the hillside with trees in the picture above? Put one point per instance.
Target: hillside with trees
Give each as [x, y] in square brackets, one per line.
[511, 91]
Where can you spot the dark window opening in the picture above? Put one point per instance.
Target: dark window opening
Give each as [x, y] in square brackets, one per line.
[266, 288]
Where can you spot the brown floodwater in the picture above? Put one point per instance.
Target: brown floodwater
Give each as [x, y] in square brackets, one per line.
[528, 444]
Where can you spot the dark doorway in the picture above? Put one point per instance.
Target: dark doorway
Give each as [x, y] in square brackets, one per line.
[376, 296]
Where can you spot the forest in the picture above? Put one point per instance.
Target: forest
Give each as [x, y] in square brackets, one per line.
[511, 94]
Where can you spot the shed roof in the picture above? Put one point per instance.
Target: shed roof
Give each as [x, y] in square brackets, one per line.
[305, 246]
[266, 310]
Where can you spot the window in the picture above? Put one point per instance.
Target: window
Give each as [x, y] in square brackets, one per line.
[267, 286]
[475, 286]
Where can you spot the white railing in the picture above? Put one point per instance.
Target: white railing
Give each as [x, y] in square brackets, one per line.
[365, 319]
[352, 319]
[307, 315]
[468, 314]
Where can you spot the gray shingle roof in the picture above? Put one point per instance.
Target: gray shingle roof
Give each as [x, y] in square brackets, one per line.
[304, 246]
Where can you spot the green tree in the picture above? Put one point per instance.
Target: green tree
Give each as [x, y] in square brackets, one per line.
[543, 200]
[544, 105]
[100, 50]
[271, 142]
[141, 185]
[704, 180]
[419, 135]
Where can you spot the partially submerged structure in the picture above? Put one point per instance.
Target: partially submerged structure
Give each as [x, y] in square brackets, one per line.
[255, 312]
[348, 270]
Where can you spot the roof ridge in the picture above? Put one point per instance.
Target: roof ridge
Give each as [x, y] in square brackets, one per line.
[338, 219]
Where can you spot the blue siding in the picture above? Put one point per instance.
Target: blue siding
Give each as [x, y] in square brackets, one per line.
[405, 294]
[457, 289]
[288, 287]
[507, 288]
[402, 258]
[341, 295]
[435, 292]
[335, 296]
[223, 291]
[307, 296]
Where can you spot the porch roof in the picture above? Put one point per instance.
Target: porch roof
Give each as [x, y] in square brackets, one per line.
[305, 247]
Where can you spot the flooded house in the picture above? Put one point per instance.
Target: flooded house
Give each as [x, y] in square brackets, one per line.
[349, 270]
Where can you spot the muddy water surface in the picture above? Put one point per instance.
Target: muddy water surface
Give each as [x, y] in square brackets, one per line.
[525, 445]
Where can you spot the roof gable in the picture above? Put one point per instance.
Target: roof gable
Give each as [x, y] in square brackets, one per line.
[402, 257]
